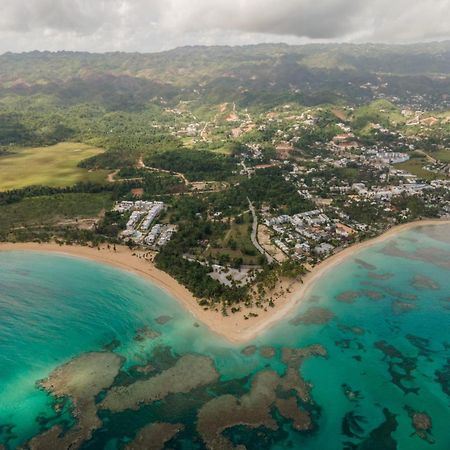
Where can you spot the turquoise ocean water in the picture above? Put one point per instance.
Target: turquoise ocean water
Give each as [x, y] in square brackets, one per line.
[383, 317]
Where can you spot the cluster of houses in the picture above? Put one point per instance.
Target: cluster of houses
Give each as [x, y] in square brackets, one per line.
[439, 168]
[160, 235]
[388, 192]
[388, 157]
[139, 229]
[314, 235]
[310, 233]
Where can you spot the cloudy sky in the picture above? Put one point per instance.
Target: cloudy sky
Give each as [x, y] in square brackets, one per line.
[153, 25]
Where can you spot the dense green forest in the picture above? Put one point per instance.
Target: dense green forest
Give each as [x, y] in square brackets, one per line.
[197, 165]
[265, 187]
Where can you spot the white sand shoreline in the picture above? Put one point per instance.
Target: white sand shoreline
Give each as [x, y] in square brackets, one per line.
[309, 280]
[234, 328]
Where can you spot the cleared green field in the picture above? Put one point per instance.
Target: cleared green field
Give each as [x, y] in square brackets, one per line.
[416, 167]
[48, 210]
[54, 166]
[441, 155]
[236, 243]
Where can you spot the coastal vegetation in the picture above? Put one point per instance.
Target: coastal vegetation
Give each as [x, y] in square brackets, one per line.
[194, 275]
[48, 209]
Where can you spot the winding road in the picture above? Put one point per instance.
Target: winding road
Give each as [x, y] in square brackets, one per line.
[253, 236]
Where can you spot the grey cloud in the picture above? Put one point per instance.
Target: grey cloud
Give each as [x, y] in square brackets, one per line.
[315, 19]
[79, 16]
[150, 25]
[407, 21]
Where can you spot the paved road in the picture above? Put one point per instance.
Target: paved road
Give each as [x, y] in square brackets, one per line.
[254, 237]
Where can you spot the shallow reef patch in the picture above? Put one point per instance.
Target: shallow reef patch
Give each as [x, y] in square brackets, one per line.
[424, 282]
[313, 316]
[421, 423]
[201, 372]
[347, 297]
[365, 264]
[81, 379]
[400, 367]
[162, 320]
[146, 333]
[267, 352]
[154, 436]
[254, 409]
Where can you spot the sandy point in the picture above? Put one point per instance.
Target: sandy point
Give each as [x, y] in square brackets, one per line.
[235, 328]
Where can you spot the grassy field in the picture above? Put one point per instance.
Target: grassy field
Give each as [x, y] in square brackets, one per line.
[49, 210]
[416, 167]
[236, 243]
[379, 111]
[54, 166]
[441, 155]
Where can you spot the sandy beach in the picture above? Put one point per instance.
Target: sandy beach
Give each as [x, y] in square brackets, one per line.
[234, 328]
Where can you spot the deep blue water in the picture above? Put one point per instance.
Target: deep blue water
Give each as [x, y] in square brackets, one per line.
[395, 363]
